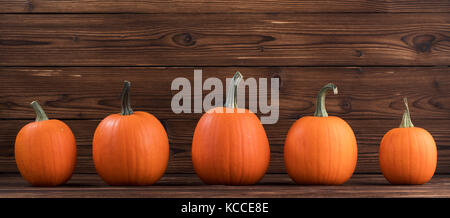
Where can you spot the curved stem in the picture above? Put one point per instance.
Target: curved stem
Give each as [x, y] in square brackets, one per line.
[126, 107]
[40, 113]
[406, 120]
[231, 100]
[320, 101]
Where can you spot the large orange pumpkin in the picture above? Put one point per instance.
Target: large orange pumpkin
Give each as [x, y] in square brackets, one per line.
[130, 148]
[320, 149]
[45, 150]
[230, 146]
[408, 154]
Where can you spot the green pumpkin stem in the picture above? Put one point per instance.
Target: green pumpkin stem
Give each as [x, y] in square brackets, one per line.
[40, 113]
[406, 119]
[320, 101]
[126, 107]
[231, 100]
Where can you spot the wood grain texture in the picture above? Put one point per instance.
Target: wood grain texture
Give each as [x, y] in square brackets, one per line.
[73, 55]
[221, 6]
[189, 186]
[93, 93]
[224, 39]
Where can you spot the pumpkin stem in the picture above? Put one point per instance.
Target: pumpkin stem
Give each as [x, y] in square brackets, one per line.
[231, 100]
[126, 107]
[40, 113]
[321, 111]
[406, 120]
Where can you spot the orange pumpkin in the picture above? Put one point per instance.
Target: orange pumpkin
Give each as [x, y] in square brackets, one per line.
[130, 148]
[230, 146]
[320, 149]
[45, 150]
[408, 154]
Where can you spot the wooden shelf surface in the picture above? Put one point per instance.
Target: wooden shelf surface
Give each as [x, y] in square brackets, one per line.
[190, 186]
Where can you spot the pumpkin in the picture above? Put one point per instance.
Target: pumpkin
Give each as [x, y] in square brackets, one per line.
[320, 149]
[407, 154]
[130, 148]
[45, 150]
[230, 146]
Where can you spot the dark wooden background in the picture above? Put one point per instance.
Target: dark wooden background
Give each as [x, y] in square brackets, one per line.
[73, 55]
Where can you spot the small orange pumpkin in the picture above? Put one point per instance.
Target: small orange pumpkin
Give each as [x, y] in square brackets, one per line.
[320, 149]
[408, 154]
[45, 150]
[230, 145]
[130, 148]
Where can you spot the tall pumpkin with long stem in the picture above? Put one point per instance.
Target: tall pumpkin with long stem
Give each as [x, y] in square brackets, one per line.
[45, 150]
[320, 149]
[131, 147]
[230, 145]
[408, 154]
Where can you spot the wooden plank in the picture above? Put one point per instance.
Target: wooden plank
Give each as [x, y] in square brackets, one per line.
[220, 6]
[93, 93]
[368, 133]
[190, 186]
[224, 39]
[369, 98]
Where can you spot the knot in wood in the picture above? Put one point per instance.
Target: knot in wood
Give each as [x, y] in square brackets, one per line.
[423, 43]
[184, 39]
